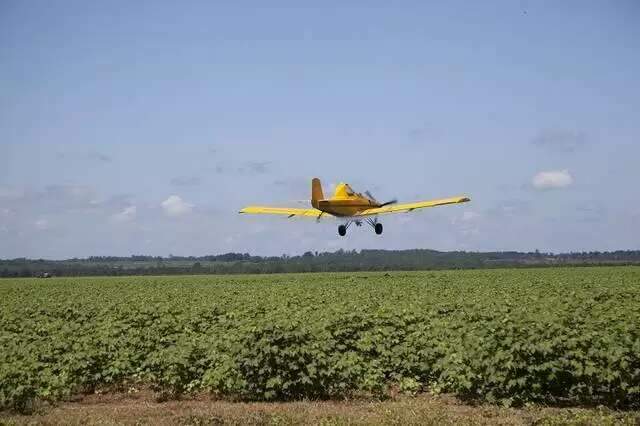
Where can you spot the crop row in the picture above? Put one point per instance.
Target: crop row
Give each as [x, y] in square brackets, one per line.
[550, 336]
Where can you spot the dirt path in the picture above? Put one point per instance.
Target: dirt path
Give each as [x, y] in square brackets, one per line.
[422, 410]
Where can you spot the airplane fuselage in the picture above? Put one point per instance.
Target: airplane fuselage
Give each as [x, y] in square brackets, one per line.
[346, 206]
[345, 202]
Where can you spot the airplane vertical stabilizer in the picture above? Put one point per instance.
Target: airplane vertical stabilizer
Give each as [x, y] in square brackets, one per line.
[316, 192]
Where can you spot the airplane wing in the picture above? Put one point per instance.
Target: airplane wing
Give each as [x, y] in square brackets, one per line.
[291, 212]
[395, 208]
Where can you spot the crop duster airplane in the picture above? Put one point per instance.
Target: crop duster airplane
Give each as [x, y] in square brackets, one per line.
[351, 206]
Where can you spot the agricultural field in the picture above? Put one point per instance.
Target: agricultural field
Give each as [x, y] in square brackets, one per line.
[506, 337]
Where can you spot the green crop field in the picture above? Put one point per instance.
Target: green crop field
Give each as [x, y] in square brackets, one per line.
[553, 336]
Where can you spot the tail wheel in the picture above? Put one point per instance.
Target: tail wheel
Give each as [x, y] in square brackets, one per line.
[378, 228]
[342, 230]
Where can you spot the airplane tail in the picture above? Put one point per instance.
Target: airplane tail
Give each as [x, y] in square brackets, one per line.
[316, 192]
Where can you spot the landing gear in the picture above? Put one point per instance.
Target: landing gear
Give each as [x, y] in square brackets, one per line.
[378, 228]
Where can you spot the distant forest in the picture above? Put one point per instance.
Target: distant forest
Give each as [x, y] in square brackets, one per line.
[364, 260]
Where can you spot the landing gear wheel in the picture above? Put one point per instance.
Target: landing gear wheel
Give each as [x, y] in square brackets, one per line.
[342, 230]
[378, 228]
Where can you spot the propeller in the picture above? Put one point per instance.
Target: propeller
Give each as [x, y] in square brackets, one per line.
[370, 195]
[387, 203]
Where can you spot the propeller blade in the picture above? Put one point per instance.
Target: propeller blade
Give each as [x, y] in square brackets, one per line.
[370, 195]
[388, 203]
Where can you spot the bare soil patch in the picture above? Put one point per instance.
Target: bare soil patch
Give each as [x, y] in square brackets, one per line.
[143, 408]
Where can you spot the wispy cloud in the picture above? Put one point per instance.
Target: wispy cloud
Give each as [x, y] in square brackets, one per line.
[468, 224]
[11, 193]
[67, 197]
[186, 181]
[41, 224]
[591, 212]
[256, 167]
[555, 179]
[557, 140]
[469, 216]
[245, 168]
[424, 134]
[294, 186]
[128, 214]
[508, 209]
[100, 157]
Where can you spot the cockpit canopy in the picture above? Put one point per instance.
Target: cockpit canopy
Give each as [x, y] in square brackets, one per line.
[344, 190]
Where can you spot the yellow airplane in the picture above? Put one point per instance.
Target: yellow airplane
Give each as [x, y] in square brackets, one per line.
[350, 205]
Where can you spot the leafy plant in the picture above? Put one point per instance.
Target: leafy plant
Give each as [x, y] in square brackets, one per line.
[503, 336]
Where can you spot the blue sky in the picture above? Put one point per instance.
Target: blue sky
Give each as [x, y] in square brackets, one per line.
[143, 127]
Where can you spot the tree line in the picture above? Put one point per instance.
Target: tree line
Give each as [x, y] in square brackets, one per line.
[338, 261]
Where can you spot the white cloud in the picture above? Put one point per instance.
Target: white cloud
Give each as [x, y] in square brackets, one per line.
[42, 224]
[126, 215]
[175, 206]
[552, 180]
